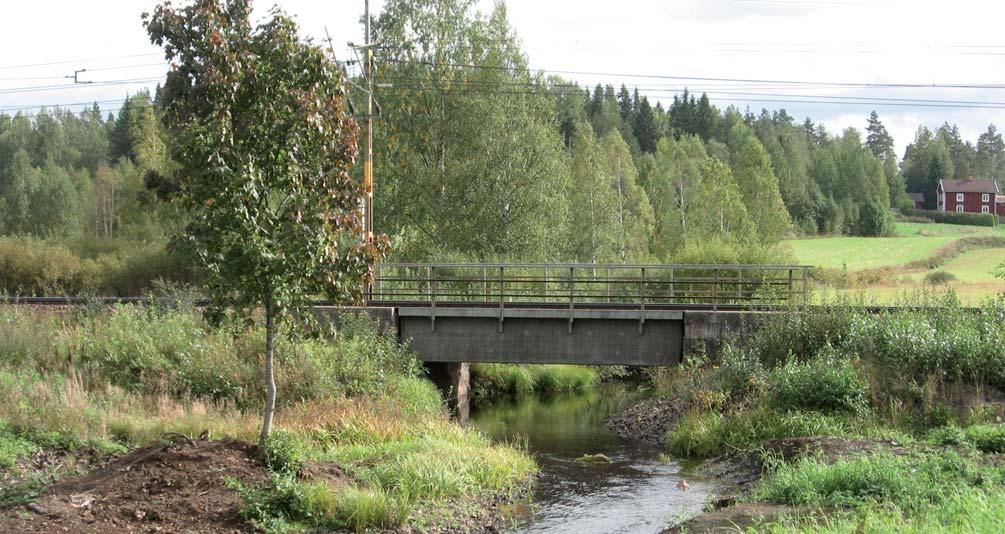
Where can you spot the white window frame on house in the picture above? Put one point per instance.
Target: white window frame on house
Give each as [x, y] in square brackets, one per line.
[985, 197]
[985, 209]
[959, 208]
[959, 197]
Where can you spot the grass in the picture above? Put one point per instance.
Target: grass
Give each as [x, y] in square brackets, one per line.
[129, 375]
[492, 380]
[861, 253]
[967, 510]
[711, 433]
[910, 483]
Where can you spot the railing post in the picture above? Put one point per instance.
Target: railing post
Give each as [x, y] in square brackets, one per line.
[430, 273]
[739, 284]
[572, 289]
[791, 288]
[485, 284]
[672, 290]
[502, 297]
[546, 284]
[642, 301]
[806, 286]
[715, 289]
[609, 298]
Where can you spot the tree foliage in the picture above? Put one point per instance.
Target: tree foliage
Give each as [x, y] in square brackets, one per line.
[266, 149]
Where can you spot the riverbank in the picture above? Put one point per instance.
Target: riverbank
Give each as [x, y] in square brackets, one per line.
[143, 417]
[844, 420]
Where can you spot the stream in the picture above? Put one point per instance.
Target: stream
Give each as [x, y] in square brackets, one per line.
[637, 492]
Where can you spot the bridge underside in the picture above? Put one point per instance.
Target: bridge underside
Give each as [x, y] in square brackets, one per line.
[583, 337]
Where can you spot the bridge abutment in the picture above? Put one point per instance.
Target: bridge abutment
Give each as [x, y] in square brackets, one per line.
[454, 381]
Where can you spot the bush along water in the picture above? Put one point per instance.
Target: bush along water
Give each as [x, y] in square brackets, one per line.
[354, 403]
[891, 418]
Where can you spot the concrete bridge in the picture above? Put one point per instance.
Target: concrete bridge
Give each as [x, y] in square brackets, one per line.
[645, 315]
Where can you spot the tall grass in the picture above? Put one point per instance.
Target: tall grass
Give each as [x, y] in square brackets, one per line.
[710, 433]
[911, 483]
[965, 510]
[499, 380]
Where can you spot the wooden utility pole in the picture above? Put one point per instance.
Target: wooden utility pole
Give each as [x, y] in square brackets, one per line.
[368, 144]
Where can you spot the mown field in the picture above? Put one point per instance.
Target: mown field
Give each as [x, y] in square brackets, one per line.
[888, 268]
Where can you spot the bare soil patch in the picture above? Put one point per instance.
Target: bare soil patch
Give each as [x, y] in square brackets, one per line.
[177, 487]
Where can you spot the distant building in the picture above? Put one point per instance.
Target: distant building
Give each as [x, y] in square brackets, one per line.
[1001, 205]
[969, 196]
[919, 200]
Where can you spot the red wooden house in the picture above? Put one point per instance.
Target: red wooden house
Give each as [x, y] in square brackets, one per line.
[969, 196]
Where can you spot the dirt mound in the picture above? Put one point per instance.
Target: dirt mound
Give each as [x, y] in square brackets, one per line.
[159, 488]
[648, 420]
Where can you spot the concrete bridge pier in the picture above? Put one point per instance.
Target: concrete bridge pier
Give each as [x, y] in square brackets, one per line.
[454, 381]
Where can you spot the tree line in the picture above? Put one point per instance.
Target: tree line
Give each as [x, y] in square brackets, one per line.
[478, 157]
[71, 175]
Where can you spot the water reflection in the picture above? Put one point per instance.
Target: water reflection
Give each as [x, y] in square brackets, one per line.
[634, 493]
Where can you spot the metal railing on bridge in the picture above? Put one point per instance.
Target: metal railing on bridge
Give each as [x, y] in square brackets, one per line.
[590, 285]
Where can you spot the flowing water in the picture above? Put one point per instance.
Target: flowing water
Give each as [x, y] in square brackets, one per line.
[637, 492]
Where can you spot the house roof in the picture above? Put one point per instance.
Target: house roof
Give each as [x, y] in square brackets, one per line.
[917, 197]
[968, 186]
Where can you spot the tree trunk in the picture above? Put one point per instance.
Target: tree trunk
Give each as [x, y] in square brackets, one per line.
[270, 378]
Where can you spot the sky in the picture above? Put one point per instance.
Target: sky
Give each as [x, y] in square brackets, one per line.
[915, 42]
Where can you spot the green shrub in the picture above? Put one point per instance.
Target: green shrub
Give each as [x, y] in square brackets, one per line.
[13, 446]
[803, 335]
[948, 435]
[875, 219]
[34, 267]
[939, 277]
[987, 438]
[739, 373]
[949, 217]
[284, 453]
[828, 383]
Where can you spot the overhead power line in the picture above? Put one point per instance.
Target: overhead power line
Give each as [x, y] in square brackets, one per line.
[79, 61]
[709, 79]
[60, 87]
